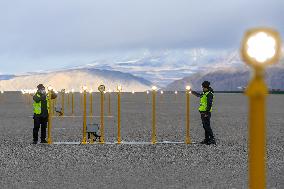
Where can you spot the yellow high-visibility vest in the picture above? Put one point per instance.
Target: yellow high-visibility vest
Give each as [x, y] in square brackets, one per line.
[203, 101]
[37, 105]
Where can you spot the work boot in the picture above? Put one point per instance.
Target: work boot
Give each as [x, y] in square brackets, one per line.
[205, 141]
[34, 142]
[211, 141]
[43, 142]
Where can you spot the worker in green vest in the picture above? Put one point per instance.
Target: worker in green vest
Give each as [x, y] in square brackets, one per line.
[41, 107]
[205, 109]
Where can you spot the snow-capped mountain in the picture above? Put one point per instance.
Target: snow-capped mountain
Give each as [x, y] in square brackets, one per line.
[160, 67]
[76, 78]
[230, 79]
[165, 66]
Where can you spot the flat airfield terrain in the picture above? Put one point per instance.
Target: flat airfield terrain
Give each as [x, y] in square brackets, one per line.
[24, 165]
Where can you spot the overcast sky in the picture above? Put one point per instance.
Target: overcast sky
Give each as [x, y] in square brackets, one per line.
[42, 34]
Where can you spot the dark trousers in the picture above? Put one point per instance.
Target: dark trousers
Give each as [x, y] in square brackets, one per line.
[40, 122]
[206, 125]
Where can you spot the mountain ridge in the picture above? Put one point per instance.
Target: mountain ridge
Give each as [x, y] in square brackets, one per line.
[76, 78]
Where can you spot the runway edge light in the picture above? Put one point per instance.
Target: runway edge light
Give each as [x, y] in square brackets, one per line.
[260, 47]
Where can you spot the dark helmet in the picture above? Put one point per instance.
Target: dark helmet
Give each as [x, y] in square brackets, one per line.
[206, 84]
[40, 86]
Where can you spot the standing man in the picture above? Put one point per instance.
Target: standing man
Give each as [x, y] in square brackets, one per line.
[41, 107]
[205, 109]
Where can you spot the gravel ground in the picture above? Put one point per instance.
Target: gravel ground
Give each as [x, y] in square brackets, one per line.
[23, 165]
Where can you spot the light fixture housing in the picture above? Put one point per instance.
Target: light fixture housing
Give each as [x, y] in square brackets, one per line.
[49, 88]
[261, 46]
[84, 88]
[119, 88]
[187, 87]
[102, 88]
[154, 88]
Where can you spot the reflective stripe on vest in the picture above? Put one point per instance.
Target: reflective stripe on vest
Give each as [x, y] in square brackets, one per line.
[203, 102]
[37, 105]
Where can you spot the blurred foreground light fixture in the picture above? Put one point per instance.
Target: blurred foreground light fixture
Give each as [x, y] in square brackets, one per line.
[133, 92]
[176, 92]
[260, 47]
[72, 90]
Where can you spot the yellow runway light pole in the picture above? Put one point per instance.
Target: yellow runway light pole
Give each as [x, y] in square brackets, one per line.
[84, 140]
[101, 88]
[29, 98]
[81, 99]
[176, 95]
[91, 102]
[260, 47]
[109, 92]
[55, 101]
[49, 140]
[68, 101]
[162, 92]
[147, 95]
[72, 101]
[119, 89]
[2, 93]
[53, 106]
[187, 138]
[62, 100]
[154, 136]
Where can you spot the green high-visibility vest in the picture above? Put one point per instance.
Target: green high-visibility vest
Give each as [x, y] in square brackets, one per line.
[203, 102]
[37, 105]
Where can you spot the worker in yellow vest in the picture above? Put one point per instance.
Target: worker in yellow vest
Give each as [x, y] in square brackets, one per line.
[41, 108]
[205, 109]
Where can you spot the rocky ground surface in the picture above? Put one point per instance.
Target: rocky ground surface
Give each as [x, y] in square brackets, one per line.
[24, 165]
